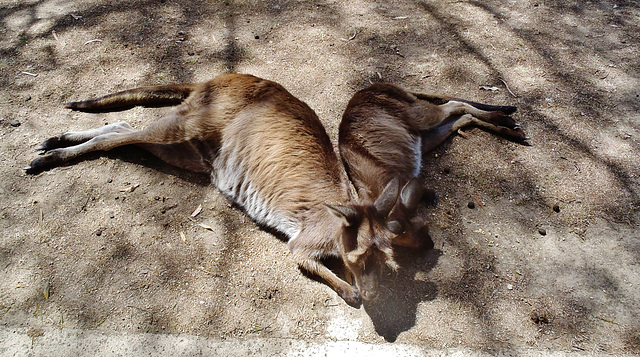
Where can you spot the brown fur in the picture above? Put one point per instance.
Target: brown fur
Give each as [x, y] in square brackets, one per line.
[385, 129]
[268, 152]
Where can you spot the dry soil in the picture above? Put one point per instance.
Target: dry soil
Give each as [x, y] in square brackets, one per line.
[548, 258]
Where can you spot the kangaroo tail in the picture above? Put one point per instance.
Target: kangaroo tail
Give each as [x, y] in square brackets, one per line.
[438, 100]
[154, 96]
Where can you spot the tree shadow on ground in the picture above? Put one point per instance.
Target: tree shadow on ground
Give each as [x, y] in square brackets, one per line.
[402, 293]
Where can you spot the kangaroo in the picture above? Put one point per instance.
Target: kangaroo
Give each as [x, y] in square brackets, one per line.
[266, 151]
[383, 133]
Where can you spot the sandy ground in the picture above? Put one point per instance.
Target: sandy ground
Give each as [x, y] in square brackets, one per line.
[547, 260]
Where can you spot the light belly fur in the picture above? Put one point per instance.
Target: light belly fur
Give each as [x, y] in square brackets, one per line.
[234, 180]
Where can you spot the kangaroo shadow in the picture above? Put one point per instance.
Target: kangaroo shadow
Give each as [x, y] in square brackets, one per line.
[136, 156]
[394, 311]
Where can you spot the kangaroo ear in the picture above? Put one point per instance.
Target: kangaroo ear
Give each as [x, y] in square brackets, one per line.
[348, 214]
[388, 198]
[411, 194]
[395, 227]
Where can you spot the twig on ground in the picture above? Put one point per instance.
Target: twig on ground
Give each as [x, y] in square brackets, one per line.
[101, 321]
[507, 86]
[355, 33]
[197, 211]
[478, 200]
[91, 41]
[606, 320]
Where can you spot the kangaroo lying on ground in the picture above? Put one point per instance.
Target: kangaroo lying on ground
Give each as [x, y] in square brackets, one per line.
[266, 151]
[383, 133]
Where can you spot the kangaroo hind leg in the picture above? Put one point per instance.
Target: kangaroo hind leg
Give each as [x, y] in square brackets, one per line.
[72, 138]
[434, 137]
[172, 138]
[70, 145]
[497, 118]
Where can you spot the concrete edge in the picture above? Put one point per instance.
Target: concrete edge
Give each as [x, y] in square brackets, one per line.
[22, 341]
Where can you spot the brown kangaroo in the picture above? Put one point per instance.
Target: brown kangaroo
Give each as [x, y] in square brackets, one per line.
[266, 151]
[383, 133]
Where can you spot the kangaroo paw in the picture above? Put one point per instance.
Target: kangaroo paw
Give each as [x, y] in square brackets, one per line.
[517, 134]
[57, 142]
[42, 163]
[49, 144]
[507, 109]
[351, 296]
[500, 119]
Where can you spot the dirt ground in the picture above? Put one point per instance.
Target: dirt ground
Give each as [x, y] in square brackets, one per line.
[548, 258]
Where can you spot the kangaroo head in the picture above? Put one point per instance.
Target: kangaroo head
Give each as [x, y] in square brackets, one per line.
[411, 229]
[365, 242]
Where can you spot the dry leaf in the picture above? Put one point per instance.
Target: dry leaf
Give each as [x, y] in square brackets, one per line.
[35, 332]
[197, 211]
[130, 188]
[205, 226]
[47, 290]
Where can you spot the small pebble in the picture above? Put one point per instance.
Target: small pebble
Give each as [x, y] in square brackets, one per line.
[99, 232]
[257, 37]
[556, 208]
[542, 231]
[447, 170]
[15, 123]
[471, 205]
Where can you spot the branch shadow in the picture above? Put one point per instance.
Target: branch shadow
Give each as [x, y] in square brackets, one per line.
[401, 294]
